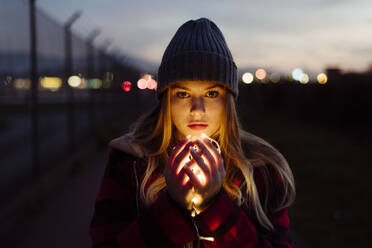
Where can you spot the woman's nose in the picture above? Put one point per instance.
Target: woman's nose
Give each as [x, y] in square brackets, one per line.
[197, 104]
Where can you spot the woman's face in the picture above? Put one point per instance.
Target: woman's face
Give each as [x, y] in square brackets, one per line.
[197, 107]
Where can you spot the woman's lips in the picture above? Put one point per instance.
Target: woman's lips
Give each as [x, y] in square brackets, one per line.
[197, 125]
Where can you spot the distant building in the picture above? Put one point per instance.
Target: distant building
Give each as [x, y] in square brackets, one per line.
[333, 73]
[369, 70]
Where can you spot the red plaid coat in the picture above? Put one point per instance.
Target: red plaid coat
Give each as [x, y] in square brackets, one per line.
[121, 220]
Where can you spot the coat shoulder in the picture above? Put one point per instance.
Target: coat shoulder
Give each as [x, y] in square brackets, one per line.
[123, 166]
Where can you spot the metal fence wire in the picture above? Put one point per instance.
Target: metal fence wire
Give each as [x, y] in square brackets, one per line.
[43, 123]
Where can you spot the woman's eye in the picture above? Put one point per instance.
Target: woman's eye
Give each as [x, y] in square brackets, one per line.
[182, 94]
[212, 94]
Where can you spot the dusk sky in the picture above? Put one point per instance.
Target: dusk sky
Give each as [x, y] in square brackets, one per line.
[277, 35]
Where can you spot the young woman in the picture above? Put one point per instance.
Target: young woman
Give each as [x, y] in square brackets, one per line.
[188, 175]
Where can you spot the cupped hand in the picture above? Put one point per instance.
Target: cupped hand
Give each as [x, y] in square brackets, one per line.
[208, 176]
[175, 174]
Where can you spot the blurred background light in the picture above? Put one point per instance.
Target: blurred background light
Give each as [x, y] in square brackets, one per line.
[275, 77]
[147, 81]
[51, 83]
[126, 86]
[322, 78]
[304, 78]
[108, 78]
[142, 83]
[74, 81]
[106, 84]
[260, 74]
[8, 79]
[94, 83]
[83, 84]
[22, 83]
[247, 78]
[288, 77]
[152, 84]
[297, 73]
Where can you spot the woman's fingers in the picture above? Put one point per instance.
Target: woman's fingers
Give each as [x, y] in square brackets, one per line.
[199, 160]
[192, 176]
[211, 159]
[183, 179]
[176, 151]
[213, 151]
[181, 158]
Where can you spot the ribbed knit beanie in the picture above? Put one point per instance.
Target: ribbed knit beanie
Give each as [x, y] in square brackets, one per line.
[198, 51]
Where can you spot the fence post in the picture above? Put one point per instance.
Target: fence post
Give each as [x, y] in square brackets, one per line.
[90, 74]
[68, 71]
[34, 93]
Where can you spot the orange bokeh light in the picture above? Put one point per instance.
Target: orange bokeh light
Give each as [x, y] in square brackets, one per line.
[260, 74]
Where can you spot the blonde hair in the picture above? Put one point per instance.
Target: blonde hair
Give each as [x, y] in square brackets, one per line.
[158, 141]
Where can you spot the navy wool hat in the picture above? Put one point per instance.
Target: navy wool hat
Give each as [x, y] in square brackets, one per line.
[198, 51]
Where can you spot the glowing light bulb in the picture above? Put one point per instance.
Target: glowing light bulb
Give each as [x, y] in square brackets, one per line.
[211, 239]
[213, 141]
[193, 213]
[196, 199]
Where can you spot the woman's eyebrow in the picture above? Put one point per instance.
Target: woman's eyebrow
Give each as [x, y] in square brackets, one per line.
[213, 86]
[179, 87]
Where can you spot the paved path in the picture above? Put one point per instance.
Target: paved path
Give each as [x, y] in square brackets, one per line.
[65, 217]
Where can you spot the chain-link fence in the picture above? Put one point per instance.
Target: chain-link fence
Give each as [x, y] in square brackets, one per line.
[65, 114]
